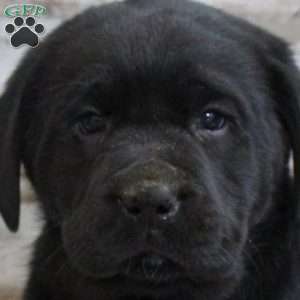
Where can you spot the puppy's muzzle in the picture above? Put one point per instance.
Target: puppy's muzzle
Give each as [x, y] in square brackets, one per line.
[149, 192]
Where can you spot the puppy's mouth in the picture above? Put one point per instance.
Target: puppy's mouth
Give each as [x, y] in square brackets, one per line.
[152, 268]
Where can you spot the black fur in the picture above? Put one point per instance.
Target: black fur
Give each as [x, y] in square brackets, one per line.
[141, 200]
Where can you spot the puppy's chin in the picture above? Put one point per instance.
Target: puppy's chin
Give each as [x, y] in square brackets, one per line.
[130, 278]
[121, 285]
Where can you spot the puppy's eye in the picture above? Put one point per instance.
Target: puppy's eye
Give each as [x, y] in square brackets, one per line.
[90, 123]
[212, 120]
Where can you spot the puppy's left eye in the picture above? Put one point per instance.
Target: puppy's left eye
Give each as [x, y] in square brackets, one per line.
[90, 123]
[212, 120]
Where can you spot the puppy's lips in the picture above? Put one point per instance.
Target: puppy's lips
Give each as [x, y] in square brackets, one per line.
[150, 267]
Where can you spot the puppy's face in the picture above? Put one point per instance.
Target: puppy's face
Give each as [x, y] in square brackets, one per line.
[156, 150]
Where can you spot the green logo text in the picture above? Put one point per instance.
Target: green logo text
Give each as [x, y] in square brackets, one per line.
[25, 10]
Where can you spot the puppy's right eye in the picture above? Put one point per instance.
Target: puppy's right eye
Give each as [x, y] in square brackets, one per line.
[212, 120]
[90, 123]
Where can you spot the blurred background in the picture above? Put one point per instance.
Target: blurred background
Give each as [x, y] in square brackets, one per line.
[278, 16]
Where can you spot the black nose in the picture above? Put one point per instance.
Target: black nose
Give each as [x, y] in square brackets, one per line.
[150, 201]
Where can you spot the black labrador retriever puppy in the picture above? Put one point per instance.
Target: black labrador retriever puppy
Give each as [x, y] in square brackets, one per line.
[157, 136]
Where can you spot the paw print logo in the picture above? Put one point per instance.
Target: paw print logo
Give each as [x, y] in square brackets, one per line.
[24, 32]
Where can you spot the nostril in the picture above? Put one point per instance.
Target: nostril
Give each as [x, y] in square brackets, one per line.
[130, 206]
[167, 209]
[163, 209]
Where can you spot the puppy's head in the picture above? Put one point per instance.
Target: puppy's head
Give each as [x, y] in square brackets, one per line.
[157, 138]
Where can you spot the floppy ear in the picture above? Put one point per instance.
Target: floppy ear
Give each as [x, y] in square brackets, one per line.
[286, 90]
[11, 133]
[10, 158]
